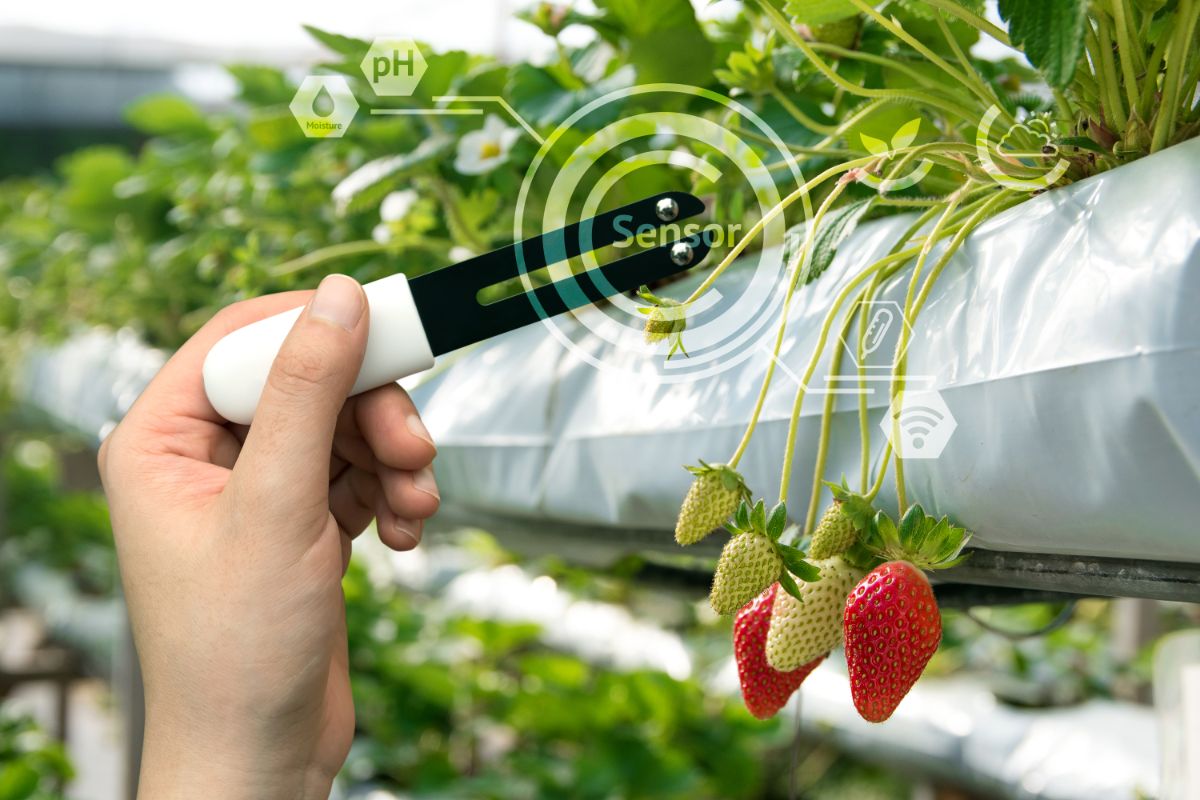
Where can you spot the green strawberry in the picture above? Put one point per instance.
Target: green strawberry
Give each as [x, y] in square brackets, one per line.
[711, 500]
[835, 533]
[755, 558]
[749, 564]
[802, 629]
[838, 529]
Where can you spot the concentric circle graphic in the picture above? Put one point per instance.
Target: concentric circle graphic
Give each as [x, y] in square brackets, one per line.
[597, 153]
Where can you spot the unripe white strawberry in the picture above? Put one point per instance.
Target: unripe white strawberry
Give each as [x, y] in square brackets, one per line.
[803, 629]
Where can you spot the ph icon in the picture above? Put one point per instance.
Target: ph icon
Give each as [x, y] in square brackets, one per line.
[393, 66]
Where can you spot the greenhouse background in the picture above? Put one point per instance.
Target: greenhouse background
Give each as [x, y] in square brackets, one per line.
[549, 638]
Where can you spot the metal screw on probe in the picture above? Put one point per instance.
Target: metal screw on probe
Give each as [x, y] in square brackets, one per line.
[681, 254]
[666, 209]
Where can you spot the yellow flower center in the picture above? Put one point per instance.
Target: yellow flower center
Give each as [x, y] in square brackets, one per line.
[489, 150]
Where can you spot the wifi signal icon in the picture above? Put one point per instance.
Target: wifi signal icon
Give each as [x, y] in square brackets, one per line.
[922, 420]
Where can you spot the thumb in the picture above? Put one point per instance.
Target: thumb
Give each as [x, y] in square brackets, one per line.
[286, 453]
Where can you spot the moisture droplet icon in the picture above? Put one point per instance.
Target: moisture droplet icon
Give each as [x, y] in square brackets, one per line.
[323, 103]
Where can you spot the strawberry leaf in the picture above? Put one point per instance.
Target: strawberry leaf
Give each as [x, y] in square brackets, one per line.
[789, 585]
[777, 521]
[1051, 34]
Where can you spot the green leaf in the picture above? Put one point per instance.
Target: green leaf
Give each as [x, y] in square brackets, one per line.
[1083, 143]
[261, 86]
[343, 45]
[837, 225]
[1050, 33]
[664, 41]
[789, 585]
[819, 12]
[165, 115]
[777, 521]
[18, 781]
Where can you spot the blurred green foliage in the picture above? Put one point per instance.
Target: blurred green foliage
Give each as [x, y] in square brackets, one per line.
[31, 764]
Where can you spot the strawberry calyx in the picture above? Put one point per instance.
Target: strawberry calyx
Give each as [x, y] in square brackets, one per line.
[754, 520]
[925, 542]
[731, 479]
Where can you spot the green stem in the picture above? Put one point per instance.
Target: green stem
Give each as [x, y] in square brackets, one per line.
[793, 282]
[981, 88]
[887, 455]
[1126, 53]
[1164, 126]
[974, 20]
[1150, 78]
[779, 208]
[789, 33]
[1112, 84]
[902, 341]
[790, 446]
[861, 355]
[341, 250]
[896, 30]
[800, 116]
[835, 367]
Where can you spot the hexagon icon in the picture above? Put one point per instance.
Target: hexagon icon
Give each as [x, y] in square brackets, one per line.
[885, 321]
[924, 423]
[324, 106]
[393, 66]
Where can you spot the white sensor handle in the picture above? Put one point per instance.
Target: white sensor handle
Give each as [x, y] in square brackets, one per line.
[235, 370]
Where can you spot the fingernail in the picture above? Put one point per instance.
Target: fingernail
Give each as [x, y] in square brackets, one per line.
[424, 481]
[410, 528]
[339, 299]
[418, 428]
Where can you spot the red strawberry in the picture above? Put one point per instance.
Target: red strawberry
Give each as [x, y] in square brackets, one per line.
[765, 689]
[891, 624]
[892, 629]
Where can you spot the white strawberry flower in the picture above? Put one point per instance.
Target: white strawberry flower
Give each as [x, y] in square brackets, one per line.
[396, 205]
[483, 150]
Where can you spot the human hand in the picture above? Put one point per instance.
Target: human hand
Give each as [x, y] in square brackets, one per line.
[232, 543]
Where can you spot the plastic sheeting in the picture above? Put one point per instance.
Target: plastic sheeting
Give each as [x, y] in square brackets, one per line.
[1064, 339]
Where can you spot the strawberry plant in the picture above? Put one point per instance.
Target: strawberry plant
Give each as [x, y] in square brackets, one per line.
[907, 118]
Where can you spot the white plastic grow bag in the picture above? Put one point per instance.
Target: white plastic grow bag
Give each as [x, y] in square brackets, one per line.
[1064, 339]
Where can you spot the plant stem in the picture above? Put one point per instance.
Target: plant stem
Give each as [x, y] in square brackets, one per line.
[835, 367]
[800, 116]
[902, 341]
[790, 447]
[784, 27]
[1110, 81]
[1150, 79]
[964, 79]
[779, 208]
[331, 253]
[974, 20]
[1164, 126]
[793, 281]
[1126, 53]
[860, 349]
